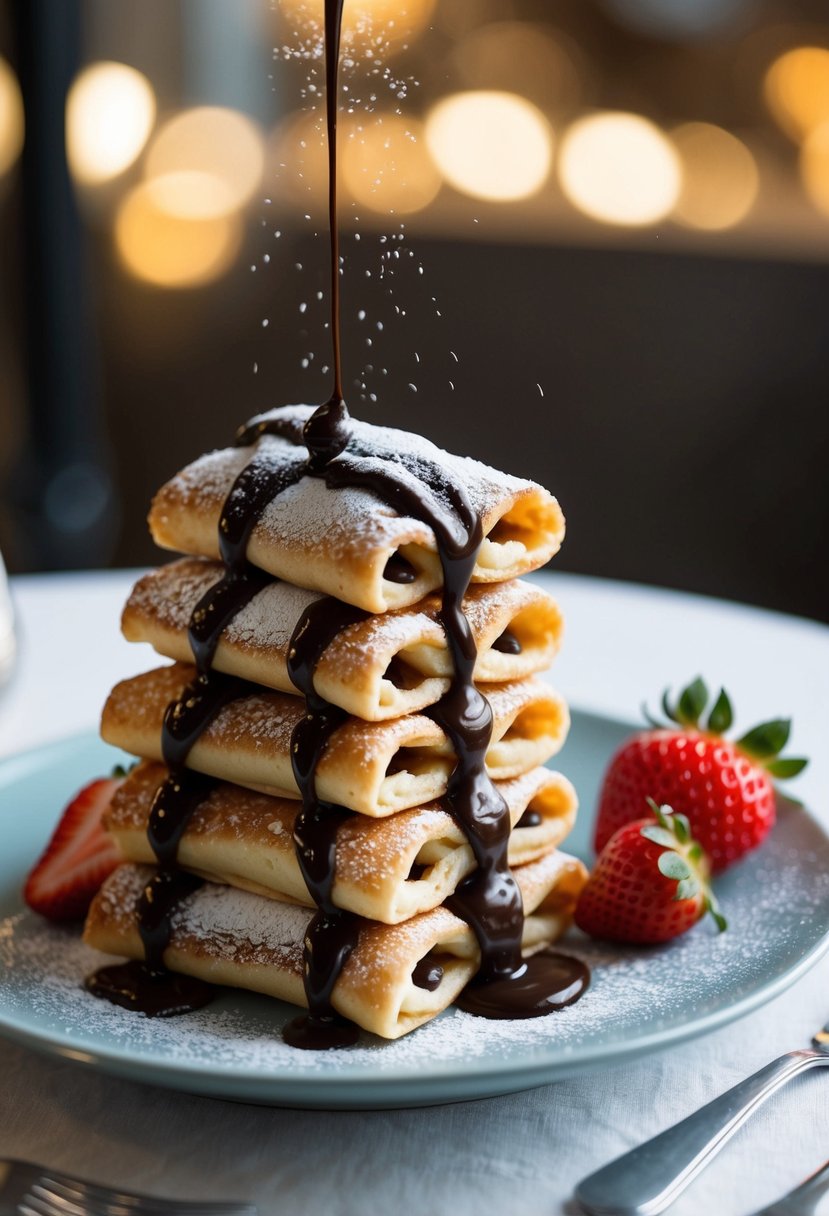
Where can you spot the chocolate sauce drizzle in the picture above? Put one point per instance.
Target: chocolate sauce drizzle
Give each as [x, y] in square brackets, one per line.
[488, 899]
[332, 934]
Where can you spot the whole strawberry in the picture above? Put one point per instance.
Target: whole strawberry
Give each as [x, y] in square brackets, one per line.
[725, 789]
[649, 884]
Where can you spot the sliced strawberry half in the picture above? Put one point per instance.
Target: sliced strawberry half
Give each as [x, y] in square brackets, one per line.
[77, 859]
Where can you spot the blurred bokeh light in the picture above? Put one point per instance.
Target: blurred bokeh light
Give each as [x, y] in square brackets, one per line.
[620, 169]
[719, 178]
[204, 144]
[167, 250]
[386, 165]
[491, 145]
[297, 161]
[110, 112]
[796, 89]
[621, 207]
[11, 118]
[814, 167]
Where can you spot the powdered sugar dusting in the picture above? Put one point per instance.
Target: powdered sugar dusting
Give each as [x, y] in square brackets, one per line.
[776, 903]
[169, 595]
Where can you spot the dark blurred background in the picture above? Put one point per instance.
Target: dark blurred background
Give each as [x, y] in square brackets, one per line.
[584, 240]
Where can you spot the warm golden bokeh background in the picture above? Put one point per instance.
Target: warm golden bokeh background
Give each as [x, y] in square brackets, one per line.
[585, 239]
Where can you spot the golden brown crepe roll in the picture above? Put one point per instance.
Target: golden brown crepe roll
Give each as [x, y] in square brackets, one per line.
[376, 768]
[383, 667]
[234, 938]
[339, 541]
[387, 869]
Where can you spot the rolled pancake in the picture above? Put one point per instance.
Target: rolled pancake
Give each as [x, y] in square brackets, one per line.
[386, 869]
[339, 541]
[376, 768]
[230, 937]
[388, 665]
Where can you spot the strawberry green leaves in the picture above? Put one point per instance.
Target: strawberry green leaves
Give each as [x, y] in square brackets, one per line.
[674, 866]
[765, 743]
[762, 743]
[721, 717]
[683, 859]
[692, 701]
[787, 767]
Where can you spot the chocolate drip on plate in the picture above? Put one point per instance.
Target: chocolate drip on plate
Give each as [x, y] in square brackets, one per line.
[545, 983]
[133, 986]
[148, 987]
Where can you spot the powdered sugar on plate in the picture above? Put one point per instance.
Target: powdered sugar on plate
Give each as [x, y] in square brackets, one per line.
[777, 905]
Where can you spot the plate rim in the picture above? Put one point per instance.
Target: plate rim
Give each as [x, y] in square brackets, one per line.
[227, 1080]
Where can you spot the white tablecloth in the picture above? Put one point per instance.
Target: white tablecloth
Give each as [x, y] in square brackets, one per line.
[520, 1155]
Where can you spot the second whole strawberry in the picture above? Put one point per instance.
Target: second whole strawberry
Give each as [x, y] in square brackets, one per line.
[649, 884]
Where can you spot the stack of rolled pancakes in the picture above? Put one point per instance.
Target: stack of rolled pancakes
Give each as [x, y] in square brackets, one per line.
[399, 854]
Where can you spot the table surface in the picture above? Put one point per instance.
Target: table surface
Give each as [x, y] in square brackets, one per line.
[520, 1154]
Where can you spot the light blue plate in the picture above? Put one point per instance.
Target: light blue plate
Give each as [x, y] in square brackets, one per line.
[639, 1000]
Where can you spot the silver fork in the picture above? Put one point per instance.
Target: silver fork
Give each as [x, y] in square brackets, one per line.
[803, 1200]
[646, 1180]
[34, 1190]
